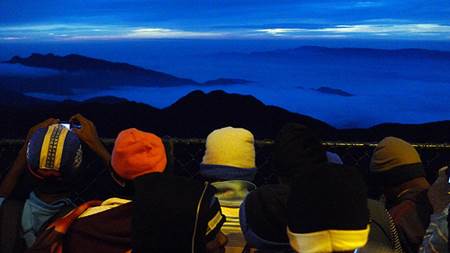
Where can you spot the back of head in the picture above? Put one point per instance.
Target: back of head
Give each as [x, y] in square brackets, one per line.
[174, 214]
[327, 210]
[296, 149]
[137, 153]
[395, 161]
[263, 217]
[229, 154]
[54, 157]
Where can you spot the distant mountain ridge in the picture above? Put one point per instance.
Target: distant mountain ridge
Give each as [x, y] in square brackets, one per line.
[349, 51]
[196, 115]
[333, 91]
[81, 72]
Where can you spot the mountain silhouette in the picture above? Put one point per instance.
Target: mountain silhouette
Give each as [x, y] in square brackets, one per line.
[359, 52]
[80, 72]
[333, 91]
[196, 115]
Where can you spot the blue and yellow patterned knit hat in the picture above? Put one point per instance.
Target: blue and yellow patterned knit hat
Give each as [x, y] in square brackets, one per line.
[54, 154]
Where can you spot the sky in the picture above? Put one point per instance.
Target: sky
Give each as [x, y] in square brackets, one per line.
[80, 20]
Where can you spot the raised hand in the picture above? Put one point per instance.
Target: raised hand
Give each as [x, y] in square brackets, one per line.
[88, 134]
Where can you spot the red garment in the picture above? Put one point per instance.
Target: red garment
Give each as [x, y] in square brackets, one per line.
[411, 215]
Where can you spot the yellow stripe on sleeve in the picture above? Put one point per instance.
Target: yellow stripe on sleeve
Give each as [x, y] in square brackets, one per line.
[212, 224]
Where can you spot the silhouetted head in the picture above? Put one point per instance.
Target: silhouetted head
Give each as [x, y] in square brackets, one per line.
[297, 149]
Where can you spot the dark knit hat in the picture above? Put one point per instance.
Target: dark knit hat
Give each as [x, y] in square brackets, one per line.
[263, 217]
[296, 149]
[327, 210]
[395, 161]
[54, 156]
[173, 214]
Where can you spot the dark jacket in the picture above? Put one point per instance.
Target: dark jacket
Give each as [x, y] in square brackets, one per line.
[107, 231]
[174, 214]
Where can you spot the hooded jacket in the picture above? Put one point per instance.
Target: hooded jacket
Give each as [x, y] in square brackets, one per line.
[174, 214]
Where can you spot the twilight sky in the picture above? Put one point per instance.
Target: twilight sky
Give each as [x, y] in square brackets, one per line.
[50, 20]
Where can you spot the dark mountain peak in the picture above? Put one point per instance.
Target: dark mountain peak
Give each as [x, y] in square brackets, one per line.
[215, 98]
[216, 109]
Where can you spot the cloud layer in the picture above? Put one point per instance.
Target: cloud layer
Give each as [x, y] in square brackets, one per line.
[283, 19]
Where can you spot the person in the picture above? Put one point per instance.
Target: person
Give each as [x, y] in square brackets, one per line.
[327, 211]
[176, 214]
[264, 212]
[52, 155]
[436, 235]
[397, 168]
[107, 226]
[229, 163]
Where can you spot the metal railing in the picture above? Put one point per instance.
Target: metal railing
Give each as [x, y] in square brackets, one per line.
[185, 155]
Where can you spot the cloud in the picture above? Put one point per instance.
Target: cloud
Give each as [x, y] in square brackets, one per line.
[376, 30]
[121, 32]
[99, 32]
[171, 33]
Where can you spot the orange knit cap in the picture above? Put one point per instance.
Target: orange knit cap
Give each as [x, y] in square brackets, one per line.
[137, 153]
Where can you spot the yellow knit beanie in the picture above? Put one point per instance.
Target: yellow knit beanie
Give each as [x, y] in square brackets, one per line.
[230, 146]
[392, 152]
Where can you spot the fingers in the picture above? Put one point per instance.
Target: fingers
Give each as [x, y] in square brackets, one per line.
[81, 119]
[78, 117]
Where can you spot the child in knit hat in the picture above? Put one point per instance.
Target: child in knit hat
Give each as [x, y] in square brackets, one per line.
[229, 162]
[398, 169]
[52, 155]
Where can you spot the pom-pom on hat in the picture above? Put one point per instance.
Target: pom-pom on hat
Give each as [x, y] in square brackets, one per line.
[54, 155]
[395, 161]
[137, 153]
[229, 154]
[327, 210]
